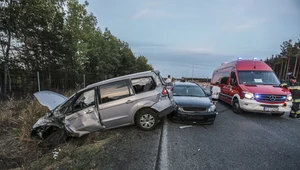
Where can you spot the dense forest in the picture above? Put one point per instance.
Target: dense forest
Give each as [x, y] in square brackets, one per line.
[287, 62]
[59, 42]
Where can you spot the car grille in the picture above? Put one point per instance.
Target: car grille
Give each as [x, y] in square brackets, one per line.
[194, 109]
[270, 98]
[194, 117]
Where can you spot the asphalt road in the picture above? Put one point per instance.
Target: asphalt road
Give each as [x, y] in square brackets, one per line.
[132, 149]
[246, 141]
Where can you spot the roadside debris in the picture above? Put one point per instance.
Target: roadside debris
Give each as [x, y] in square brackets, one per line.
[56, 152]
[188, 126]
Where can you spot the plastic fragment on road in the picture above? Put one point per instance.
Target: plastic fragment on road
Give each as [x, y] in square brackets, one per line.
[55, 153]
[188, 126]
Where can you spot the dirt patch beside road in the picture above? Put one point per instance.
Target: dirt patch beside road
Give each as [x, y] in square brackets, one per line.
[123, 148]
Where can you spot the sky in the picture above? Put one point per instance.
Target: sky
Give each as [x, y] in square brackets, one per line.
[191, 38]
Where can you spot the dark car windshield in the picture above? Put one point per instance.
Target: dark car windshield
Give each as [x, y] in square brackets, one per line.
[258, 77]
[186, 90]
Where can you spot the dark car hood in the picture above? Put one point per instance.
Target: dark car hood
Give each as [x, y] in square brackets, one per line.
[187, 101]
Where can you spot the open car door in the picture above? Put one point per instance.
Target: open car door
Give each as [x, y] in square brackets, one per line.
[84, 117]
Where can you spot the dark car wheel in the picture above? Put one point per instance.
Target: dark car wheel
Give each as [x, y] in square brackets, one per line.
[56, 138]
[236, 107]
[146, 119]
[277, 114]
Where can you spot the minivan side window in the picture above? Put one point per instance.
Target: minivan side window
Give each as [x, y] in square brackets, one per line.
[84, 100]
[144, 84]
[114, 91]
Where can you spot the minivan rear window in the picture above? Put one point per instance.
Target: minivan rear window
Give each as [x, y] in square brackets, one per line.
[143, 84]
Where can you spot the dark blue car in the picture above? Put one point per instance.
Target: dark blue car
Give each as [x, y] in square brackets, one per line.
[193, 104]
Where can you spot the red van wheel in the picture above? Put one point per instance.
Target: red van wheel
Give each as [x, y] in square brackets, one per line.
[236, 107]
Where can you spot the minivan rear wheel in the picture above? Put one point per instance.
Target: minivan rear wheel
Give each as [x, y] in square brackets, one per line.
[236, 107]
[146, 119]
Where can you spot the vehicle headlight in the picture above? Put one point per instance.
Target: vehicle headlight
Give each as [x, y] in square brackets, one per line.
[289, 97]
[211, 108]
[248, 95]
[180, 108]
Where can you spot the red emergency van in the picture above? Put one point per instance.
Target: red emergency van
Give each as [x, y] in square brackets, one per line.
[252, 86]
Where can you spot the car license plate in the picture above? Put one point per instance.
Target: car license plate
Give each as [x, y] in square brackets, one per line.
[271, 109]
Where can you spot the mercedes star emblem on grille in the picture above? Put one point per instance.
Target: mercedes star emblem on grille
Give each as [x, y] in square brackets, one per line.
[272, 98]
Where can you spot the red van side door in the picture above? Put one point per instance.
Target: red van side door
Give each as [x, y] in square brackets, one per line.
[233, 84]
[225, 89]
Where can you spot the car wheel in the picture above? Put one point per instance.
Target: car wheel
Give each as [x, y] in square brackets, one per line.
[277, 114]
[236, 107]
[56, 138]
[146, 119]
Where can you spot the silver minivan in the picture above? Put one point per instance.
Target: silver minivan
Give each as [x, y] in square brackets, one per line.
[140, 98]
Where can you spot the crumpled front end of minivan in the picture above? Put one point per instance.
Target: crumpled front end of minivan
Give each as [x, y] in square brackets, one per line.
[49, 123]
[45, 126]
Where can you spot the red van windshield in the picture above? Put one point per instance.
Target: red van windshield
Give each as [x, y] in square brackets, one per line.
[258, 77]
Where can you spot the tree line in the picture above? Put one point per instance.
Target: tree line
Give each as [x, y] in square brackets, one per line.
[59, 40]
[287, 61]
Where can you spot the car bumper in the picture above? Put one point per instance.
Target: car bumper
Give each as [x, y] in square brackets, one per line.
[254, 106]
[167, 111]
[193, 118]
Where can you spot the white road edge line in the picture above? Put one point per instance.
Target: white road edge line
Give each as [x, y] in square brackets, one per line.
[163, 162]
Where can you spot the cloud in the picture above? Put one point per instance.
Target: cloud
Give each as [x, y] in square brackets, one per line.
[151, 9]
[141, 13]
[162, 9]
[250, 24]
[146, 12]
[141, 47]
[142, 44]
[243, 27]
[186, 64]
[187, 59]
[197, 50]
[245, 24]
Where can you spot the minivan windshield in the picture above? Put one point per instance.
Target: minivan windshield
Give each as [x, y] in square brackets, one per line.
[258, 77]
[61, 109]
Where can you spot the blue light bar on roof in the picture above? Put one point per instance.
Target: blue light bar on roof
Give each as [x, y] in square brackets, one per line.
[240, 58]
[254, 58]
